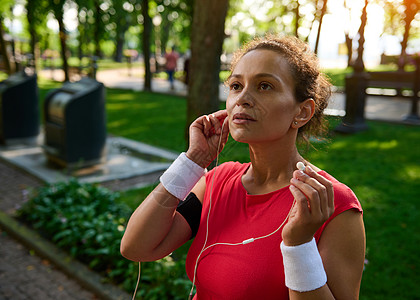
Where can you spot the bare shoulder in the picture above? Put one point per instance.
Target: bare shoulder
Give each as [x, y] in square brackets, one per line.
[342, 248]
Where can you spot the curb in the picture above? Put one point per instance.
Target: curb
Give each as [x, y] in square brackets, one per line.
[71, 267]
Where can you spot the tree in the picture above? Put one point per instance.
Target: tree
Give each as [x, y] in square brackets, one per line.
[412, 7]
[206, 47]
[147, 29]
[321, 17]
[297, 18]
[36, 12]
[359, 65]
[57, 7]
[173, 25]
[4, 53]
[122, 16]
[98, 28]
[349, 39]
[4, 7]
[31, 16]
[83, 27]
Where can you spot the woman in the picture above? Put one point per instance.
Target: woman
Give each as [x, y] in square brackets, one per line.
[263, 230]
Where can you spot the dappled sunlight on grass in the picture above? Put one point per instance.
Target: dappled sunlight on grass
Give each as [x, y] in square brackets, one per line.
[123, 96]
[117, 124]
[382, 166]
[122, 106]
[412, 172]
[151, 118]
[378, 145]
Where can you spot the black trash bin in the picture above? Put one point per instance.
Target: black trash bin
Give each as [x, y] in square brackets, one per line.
[19, 108]
[75, 124]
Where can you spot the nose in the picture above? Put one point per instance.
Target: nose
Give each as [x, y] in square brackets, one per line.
[245, 98]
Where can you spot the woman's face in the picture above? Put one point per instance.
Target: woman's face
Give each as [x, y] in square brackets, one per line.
[261, 103]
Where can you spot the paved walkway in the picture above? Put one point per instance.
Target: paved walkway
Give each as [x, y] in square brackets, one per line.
[24, 275]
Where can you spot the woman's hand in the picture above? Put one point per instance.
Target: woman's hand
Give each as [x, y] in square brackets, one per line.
[314, 196]
[205, 133]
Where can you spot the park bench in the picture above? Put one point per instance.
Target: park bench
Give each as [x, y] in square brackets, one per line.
[400, 83]
[391, 84]
[360, 84]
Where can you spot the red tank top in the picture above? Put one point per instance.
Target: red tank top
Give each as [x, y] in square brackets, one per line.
[254, 270]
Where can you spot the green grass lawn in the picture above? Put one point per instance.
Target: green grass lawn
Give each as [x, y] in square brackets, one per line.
[381, 165]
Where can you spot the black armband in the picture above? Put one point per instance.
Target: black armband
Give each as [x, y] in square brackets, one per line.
[190, 209]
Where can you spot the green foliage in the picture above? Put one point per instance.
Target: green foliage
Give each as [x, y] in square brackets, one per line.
[88, 222]
[82, 218]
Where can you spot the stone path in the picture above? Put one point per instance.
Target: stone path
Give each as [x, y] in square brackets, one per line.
[24, 275]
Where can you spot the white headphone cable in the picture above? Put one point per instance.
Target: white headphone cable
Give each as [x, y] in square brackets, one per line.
[244, 242]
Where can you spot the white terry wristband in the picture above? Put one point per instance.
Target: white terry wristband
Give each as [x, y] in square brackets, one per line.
[181, 176]
[303, 268]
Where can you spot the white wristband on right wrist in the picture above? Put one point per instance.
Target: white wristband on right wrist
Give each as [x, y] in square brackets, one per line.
[181, 176]
[303, 268]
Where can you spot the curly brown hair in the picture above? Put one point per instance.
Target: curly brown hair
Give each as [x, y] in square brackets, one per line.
[304, 67]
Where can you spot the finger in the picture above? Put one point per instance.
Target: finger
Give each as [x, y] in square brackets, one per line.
[225, 130]
[221, 114]
[325, 182]
[316, 192]
[216, 124]
[310, 193]
[207, 125]
[301, 205]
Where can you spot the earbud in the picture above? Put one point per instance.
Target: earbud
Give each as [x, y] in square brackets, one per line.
[301, 166]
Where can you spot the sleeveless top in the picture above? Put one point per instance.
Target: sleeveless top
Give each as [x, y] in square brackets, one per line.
[254, 270]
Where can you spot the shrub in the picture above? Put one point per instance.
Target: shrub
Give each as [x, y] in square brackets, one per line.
[88, 222]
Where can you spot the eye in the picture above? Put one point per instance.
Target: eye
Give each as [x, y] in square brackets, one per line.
[235, 86]
[265, 86]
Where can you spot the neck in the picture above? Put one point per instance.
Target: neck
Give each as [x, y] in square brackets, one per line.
[273, 163]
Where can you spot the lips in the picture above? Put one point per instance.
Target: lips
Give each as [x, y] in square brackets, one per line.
[241, 118]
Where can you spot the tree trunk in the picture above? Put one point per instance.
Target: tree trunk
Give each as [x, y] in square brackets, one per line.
[4, 52]
[349, 45]
[206, 47]
[81, 39]
[33, 51]
[30, 15]
[147, 29]
[297, 18]
[63, 38]
[321, 17]
[119, 47]
[410, 11]
[359, 65]
[97, 35]
[349, 40]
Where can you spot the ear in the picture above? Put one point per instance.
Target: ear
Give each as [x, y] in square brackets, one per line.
[305, 113]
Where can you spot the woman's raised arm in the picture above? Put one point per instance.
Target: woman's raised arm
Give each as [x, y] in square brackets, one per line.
[155, 229]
